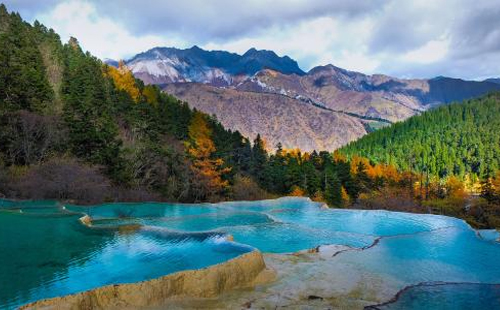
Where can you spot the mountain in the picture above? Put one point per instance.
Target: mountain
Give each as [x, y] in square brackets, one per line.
[171, 65]
[111, 62]
[371, 101]
[277, 118]
[339, 90]
[375, 96]
[457, 139]
[494, 80]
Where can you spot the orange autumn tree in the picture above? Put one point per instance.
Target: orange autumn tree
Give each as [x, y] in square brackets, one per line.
[356, 160]
[345, 197]
[297, 192]
[339, 157]
[390, 173]
[208, 170]
[455, 188]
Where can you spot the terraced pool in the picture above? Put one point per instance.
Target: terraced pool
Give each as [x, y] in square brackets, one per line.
[45, 251]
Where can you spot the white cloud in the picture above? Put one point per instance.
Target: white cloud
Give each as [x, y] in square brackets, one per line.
[314, 42]
[101, 36]
[421, 38]
[430, 52]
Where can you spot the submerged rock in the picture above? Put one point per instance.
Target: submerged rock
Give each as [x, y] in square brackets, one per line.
[86, 220]
[129, 229]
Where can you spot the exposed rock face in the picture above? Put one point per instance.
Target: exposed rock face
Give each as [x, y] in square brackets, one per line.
[243, 271]
[276, 117]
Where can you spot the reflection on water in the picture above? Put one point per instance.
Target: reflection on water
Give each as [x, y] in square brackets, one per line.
[45, 251]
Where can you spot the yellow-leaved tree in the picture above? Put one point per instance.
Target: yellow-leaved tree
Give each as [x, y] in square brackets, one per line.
[208, 170]
[455, 188]
[496, 183]
[124, 80]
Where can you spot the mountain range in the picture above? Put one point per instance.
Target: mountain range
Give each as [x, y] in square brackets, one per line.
[170, 65]
[261, 92]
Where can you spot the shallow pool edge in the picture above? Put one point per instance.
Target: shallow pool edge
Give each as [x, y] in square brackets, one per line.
[245, 270]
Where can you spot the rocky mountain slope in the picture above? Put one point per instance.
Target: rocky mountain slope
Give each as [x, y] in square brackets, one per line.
[374, 96]
[277, 118]
[220, 68]
[238, 82]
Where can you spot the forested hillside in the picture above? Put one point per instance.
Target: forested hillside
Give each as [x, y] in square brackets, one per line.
[453, 152]
[461, 139]
[73, 128]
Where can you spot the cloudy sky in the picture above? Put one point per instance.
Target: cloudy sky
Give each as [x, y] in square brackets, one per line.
[420, 38]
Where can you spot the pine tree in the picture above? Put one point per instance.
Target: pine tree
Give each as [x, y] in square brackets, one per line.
[293, 172]
[332, 187]
[311, 177]
[92, 130]
[275, 173]
[361, 177]
[23, 80]
[259, 159]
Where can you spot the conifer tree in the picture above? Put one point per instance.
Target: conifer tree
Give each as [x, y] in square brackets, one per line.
[332, 187]
[259, 158]
[23, 80]
[92, 130]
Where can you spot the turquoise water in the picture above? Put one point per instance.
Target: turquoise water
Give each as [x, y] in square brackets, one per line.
[45, 251]
[446, 297]
[489, 234]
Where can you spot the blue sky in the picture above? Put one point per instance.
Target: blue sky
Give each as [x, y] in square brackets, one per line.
[424, 38]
